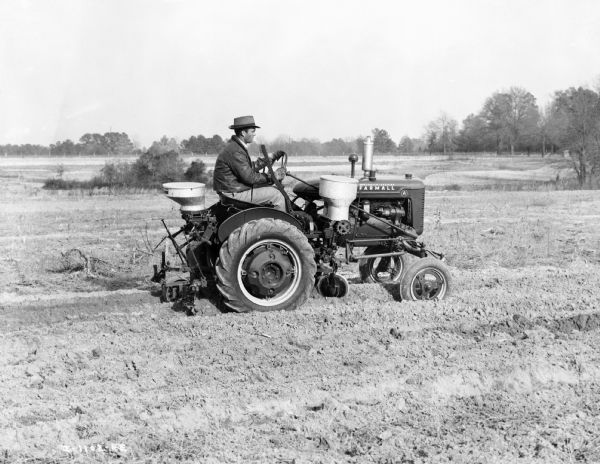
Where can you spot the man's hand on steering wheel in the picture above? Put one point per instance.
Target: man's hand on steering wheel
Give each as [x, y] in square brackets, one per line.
[268, 160]
[280, 173]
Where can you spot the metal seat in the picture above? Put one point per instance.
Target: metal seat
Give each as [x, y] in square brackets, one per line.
[240, 204]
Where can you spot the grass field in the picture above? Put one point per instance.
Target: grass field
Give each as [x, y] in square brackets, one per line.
[96, 369]
[439, 172]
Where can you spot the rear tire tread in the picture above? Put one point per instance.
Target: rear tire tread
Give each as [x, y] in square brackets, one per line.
[243, 237]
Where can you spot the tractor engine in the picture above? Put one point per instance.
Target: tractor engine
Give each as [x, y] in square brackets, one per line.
[401, 201]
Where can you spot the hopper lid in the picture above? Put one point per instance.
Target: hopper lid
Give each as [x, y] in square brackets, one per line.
[341, 179]
[182, 185]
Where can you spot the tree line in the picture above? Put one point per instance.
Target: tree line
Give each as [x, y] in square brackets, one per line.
[509, 121]
[115, 143]
[149, 170]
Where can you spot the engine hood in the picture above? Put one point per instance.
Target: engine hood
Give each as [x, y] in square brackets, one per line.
[381, 188]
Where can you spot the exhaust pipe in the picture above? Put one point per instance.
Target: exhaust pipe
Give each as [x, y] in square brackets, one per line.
[367, 162]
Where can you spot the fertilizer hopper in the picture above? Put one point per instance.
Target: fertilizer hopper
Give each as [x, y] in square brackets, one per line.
[338, 192]
[190, 195]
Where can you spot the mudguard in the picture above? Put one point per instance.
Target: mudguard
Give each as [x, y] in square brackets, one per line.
[252, 214]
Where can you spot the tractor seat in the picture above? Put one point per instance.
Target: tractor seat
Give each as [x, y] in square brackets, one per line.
[239, 204]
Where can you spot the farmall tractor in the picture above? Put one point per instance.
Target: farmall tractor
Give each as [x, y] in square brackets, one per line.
[250, 257]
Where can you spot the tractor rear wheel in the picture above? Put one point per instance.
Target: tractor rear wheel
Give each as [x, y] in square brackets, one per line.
[385, 270]
[265, 265]
[426, 279]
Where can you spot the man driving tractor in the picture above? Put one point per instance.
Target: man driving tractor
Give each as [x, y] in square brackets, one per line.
[236, 176]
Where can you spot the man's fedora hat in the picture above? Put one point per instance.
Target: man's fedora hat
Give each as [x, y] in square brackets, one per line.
[243, 122]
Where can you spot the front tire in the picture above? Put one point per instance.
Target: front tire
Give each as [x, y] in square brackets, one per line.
[265, 265]
[426, 279]
[385, 270]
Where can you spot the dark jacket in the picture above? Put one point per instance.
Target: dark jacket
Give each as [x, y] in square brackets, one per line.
[235, 172]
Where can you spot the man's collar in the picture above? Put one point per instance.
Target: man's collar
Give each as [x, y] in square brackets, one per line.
[241, 142]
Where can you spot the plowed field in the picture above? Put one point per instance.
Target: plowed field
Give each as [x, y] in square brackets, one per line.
[95, 369]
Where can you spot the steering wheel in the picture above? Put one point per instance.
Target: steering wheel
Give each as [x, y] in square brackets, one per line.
[276, 157]
[283, 156]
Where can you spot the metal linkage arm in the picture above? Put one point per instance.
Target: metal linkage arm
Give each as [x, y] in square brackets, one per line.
[276, 182]
[172, 238]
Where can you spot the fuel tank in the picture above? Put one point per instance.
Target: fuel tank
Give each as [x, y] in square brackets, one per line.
[383, 188]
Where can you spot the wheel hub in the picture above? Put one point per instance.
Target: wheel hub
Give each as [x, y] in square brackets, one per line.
[268, 271]
[428, 284]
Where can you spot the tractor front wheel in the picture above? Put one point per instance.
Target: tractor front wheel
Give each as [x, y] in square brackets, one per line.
[265, 265]
[383, 270]
[426, 279]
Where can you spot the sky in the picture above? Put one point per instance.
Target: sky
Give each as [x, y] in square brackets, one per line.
[312, 68]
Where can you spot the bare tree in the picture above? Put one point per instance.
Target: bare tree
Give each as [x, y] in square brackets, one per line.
[382, 142]
[545, 127]
[440, 134]
[406, 145]
[522, 117]
[511, 116]
[474, 135]
[494, 113]
[576, 127]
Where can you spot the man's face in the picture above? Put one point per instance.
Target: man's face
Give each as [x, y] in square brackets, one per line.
[249, 135]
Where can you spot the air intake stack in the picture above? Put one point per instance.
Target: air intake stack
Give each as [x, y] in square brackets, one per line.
[367, 162]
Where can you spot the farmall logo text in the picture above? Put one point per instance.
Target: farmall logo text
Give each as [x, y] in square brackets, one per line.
[380, 187]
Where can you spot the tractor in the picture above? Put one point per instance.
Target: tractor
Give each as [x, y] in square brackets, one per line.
[250, 257]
